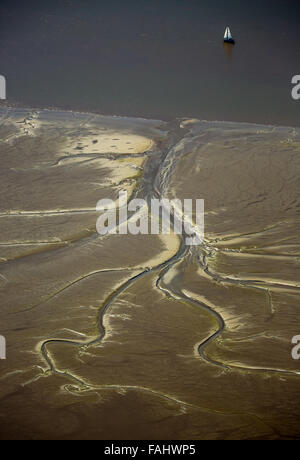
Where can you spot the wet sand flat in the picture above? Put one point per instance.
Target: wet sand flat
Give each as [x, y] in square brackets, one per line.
[143, 337]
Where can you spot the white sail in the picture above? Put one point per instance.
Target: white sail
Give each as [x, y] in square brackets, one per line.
[227, 34]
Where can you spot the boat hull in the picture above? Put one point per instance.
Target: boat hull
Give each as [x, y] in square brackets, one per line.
[229, 40]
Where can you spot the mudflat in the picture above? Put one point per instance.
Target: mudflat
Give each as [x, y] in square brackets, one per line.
[141, 336]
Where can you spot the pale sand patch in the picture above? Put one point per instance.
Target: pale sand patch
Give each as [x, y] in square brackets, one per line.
[110, 142]
[126, 171]
[135, 163]
[128, 168]
[171, 244]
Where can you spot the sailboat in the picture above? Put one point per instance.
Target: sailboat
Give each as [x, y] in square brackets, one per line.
[228, 37]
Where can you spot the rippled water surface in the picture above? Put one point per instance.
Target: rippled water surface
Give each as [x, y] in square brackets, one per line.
[154, 58]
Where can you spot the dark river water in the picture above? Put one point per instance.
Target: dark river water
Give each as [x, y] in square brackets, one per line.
[154, 58]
